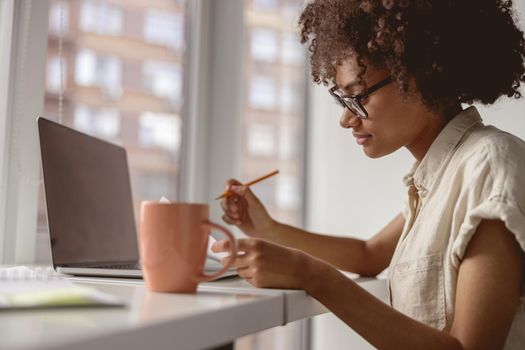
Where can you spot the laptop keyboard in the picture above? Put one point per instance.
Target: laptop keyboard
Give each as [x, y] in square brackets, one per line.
[131, 266]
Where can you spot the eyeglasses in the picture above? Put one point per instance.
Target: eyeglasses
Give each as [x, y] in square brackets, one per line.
[353, 103]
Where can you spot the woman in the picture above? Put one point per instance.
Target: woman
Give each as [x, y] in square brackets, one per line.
[401, 70]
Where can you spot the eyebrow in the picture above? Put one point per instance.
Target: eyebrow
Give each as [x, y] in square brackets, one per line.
[349, 85]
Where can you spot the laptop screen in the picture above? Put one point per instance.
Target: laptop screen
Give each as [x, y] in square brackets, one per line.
[88, 198]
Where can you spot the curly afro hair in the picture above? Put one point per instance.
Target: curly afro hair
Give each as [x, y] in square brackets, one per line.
[458, 51]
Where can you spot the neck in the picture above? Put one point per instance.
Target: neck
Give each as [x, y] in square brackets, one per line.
[436, 122]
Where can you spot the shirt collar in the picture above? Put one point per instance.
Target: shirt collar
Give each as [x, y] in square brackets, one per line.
[423, 173]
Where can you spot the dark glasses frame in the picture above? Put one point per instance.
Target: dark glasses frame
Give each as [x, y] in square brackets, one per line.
[353, 103]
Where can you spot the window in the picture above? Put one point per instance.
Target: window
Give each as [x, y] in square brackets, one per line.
[86, 68]
[101, 17]
[288, 192]
[266, 5]
[288, 98]
[113, 74]
[261, 141]
[262, 93]
[58, 17]
[109, 75]
[103, 123]
[160, 130]
[265, 191]
[292, 51]
[119, 86]
[274, 104]
[54, 75]
[264, 45]
[164, 28]
[288, 142]
[163, 79]
[102, 71]
[274, 125]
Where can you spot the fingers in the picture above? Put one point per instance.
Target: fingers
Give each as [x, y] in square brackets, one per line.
[232, 206]
[243, 245]
[232, 186]
[244, 192]
[242, 264]
[230, 209]
[230, 221]
[223, 246]
[242, 261]
[260, 263]
[236, 187]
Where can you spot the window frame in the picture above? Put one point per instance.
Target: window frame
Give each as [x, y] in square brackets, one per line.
[213, 104]
[23, 29]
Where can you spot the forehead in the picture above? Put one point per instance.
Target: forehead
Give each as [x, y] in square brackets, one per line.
[348, 71]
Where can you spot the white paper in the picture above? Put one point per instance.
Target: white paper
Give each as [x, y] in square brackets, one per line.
[22, 287]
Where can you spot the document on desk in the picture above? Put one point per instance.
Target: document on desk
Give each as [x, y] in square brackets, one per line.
[22, 288]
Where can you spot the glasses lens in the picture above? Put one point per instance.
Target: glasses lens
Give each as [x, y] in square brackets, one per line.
[355, 108]
[353, 105]
[338, 99]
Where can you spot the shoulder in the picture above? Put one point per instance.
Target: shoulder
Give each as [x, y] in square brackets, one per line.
[490, 141]
[490, 163]
[500, 154]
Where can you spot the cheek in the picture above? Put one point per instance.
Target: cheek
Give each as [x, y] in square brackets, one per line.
[388, 137]
[395, 135]
[390, 124]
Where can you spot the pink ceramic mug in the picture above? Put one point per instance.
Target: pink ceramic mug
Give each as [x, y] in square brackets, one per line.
[173, 240]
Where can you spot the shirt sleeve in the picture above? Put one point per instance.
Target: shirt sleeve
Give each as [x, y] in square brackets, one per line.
[495, 192]
[491, 209]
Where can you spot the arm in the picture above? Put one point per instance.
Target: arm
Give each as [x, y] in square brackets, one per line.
[488, 290]
[367, 258]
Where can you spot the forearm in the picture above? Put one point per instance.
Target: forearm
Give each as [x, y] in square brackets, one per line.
[345, 253]
[378, 323]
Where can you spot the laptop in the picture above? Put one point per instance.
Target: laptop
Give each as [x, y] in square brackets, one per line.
[89, 205]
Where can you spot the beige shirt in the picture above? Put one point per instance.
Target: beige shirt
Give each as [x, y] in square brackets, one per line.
[471, 172]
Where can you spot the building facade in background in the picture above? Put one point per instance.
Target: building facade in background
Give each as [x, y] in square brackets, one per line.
[273, 132]
[116, 69]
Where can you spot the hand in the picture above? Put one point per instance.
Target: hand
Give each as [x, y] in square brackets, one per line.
[245, 210]
[267, 265]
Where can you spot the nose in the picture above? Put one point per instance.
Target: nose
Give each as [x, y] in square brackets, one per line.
[349, 120]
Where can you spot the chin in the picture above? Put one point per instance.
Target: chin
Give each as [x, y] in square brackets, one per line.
[373, 152]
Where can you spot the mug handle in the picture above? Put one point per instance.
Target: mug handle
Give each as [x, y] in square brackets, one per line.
[233, 251]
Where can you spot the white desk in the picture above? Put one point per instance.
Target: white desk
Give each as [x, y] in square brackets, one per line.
[219, 313]
[297, 304]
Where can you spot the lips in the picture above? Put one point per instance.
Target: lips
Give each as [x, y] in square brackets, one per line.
[361, 138]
